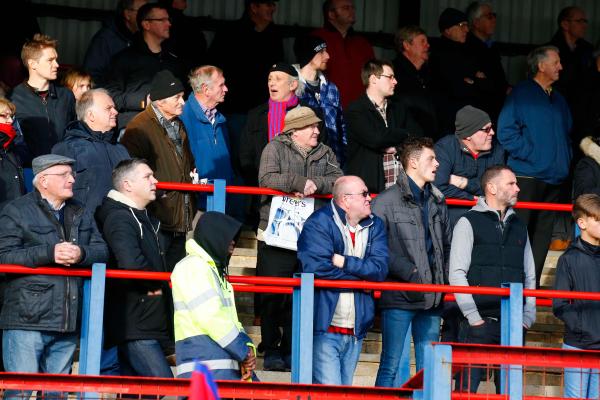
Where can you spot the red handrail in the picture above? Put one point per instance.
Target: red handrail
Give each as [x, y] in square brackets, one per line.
[271, 192]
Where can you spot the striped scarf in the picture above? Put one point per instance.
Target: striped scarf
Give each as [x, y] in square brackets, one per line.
[277, 112]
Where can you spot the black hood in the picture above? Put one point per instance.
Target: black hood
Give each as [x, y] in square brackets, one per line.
[79, 129]
[214, 232]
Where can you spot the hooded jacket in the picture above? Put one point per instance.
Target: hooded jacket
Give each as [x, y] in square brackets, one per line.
[131, 234]
[207, 327]
[586, 178]
[578, 269]
[409, 261]
[96, 156]
[322, 237]
[12, 184]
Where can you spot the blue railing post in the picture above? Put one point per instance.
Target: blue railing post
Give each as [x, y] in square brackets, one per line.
[511, 334]
[437, 374]
[215, 201]
[90, 345]
[302, 329]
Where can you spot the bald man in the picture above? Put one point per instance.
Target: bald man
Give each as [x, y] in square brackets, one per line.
[343, 240]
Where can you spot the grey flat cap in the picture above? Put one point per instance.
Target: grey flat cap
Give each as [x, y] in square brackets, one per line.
[42, 163]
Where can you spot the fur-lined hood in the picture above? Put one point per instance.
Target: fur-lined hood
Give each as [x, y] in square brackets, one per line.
[590, 148]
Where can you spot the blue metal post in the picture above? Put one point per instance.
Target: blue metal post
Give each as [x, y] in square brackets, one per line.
[91, 321]
[511, 334]
[437, 378]
[216, 200]
[302, 329]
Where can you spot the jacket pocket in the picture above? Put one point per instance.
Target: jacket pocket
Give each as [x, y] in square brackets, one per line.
[35, 302]
[151, 314]
[405, 226]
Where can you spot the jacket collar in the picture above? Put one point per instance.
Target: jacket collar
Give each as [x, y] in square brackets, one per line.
[483, 207]
[590, 149]
[405, 191]
[121, 198]
[196, 108]
[337, 210]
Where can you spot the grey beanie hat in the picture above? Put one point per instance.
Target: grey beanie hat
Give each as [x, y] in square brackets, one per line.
[470, 120]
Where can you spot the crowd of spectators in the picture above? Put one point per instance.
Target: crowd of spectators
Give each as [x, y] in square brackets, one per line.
[154, 102]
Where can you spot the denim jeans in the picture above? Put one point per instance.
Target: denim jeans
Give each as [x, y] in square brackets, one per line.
[581, 383]
[37, 351]
[334, 358]
[395, 324]
[144, 358]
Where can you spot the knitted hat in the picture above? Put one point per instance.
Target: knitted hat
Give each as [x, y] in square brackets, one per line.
[306, 47]
[42, 163]
[469, 120]
[300, 117]
[450, 17]
[165, 85]
[284, 67]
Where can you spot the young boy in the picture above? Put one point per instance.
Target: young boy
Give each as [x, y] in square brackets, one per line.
[579, 270]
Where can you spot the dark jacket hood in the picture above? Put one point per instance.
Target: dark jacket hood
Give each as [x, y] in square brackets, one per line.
[214, 232]
[79, 129]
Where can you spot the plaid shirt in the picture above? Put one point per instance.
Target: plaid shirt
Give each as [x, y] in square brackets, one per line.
[329, 102]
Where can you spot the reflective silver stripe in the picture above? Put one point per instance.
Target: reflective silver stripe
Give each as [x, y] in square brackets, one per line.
[179, 306]
[196, 301]
[227, 302]
[211, 364]
[229, 337]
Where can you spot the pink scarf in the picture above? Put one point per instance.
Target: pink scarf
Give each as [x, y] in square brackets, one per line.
[277, 110]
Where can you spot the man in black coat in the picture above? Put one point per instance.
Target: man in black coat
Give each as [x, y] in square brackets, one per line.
[132, 70]
[376, 127]
[138, 313]
[45, 228]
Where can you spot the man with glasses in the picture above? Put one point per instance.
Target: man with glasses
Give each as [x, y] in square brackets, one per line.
[116, 34]
[416, 219]
[464, 156]
[376, 127]
[348, 50]
[343, 241]
[132, 70]
[482, 25]
[46, 227]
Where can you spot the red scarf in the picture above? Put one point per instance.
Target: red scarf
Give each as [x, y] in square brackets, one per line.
[7, 134]
[277, 110]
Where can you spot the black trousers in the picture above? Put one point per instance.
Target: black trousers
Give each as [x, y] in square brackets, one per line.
[276, 309]
[540, 223]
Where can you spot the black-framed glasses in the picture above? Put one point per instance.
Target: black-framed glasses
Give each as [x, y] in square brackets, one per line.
[463, 25]
[580, 20]
[159, 19]
[487, 130]
[390, 77]
[65, 174]
[364, 194]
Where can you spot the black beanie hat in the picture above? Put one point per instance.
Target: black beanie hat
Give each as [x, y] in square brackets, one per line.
[165, 85]
[306, 47]
[469, 120]
[450, 17]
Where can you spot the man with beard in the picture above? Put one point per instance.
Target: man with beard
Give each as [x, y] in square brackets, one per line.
[490, 246]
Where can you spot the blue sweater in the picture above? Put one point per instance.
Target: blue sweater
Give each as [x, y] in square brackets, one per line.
[209, 143]
[534, 129]
[319, 241]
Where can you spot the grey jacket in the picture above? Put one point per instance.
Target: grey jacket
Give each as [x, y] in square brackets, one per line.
[283, 167]
[460, 261]
[406, 238]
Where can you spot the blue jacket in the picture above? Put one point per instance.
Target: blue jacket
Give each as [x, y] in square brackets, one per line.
[534, 130]
[455, 159]
[319, 240]
[208, 143]
[96, 156]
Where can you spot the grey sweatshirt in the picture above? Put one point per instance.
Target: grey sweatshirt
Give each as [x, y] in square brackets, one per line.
[460, 261]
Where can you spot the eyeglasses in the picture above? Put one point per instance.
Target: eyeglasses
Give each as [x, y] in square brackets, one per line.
[7, 116]
[463, 25]
[390, 77]
[159, 19]
[65, 174]
[364, 194]
[580, 20]
[487, 130]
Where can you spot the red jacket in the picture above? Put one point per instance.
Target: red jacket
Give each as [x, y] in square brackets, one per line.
[348, 55]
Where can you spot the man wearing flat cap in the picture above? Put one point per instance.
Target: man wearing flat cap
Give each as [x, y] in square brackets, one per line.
[158, 136]
[464, 156]
[293, 162]
[45, 227]
[321, 93]
[457, 75]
